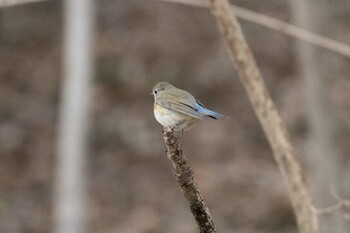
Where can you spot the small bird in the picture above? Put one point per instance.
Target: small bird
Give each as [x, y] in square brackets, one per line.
[178, 109]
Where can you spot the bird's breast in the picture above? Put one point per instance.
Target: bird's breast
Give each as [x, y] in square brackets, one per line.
[173, 119]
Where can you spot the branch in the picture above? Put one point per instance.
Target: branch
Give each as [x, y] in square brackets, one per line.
[253, 17]
[268, 116]
[184, 177]
[8, 3]
[336, 208]
[344, 202]
[280, 26]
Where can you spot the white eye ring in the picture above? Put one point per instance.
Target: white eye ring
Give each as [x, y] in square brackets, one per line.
[155, 92]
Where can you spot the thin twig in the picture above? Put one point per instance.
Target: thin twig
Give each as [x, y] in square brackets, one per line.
[278, 25]
[184, 176]
[345, 202]
[268, 116]
[327, 210]
[8, 3]
[336, 208]
[253, 17]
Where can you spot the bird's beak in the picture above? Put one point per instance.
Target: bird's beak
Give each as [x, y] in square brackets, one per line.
[151, 93]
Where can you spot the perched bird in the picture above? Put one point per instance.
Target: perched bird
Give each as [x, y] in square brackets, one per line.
[178, 109]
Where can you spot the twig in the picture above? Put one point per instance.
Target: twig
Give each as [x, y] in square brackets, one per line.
[268, 116]
[280, 26]
[344, 202]
[328, 209]
[253, 17]
[184, 176]
[8, 3]
[336, 208]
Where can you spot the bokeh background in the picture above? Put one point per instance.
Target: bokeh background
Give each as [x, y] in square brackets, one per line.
[130, 183]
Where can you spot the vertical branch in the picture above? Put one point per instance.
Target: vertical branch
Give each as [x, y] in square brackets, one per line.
[184, 177]
[70, 195]
[268, 116]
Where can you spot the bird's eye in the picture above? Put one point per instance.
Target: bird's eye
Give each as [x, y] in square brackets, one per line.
[155, 92]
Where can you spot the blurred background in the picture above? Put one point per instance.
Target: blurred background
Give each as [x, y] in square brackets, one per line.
[138, 43]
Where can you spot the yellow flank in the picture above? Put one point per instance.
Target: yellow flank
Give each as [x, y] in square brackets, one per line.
[170, 118]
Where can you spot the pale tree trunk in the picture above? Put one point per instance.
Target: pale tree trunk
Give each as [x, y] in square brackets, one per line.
[321, 152]
[70, 189]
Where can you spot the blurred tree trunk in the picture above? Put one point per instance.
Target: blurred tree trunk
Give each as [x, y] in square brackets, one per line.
[321, 151]
[70, 209]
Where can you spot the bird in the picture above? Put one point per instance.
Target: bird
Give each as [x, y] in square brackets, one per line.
[177, 109]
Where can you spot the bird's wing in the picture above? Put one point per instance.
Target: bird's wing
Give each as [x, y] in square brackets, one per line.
[180, 105]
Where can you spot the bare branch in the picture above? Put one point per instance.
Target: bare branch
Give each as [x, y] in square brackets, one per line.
[7, 3]
[328, 209]
[344, 202]
[336, 208]
[268, 116]
[184, 177]
[253, 17]
[280, 26]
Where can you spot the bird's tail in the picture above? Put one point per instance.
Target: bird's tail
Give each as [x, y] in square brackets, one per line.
[210, 113]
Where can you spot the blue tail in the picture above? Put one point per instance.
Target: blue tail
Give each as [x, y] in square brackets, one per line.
[210, 113]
